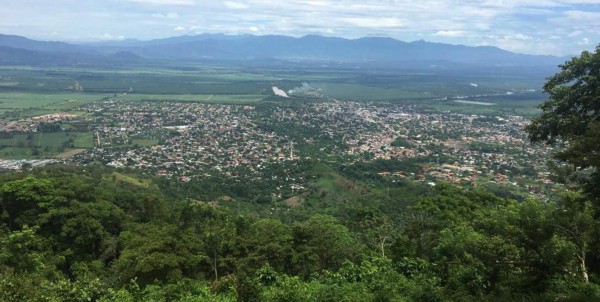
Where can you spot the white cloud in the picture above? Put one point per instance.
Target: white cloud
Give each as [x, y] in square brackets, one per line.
[450, 33]
[109, 37]
[165, 2]
[235, 5]
[521, 37]
[321, 3]
[373, 22]
[584, 42]
[166, 16]
[575, 33]
[584, 20]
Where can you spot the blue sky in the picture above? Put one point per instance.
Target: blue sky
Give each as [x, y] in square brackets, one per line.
[526, 26]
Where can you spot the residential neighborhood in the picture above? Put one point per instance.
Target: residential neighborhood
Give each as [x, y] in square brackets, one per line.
[189, 140]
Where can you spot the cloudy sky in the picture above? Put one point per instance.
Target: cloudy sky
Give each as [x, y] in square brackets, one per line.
[557, 27]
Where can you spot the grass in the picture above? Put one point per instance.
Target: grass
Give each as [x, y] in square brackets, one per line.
[361, 92]
[84, 140]
[527, 107]
[31, 104]
[123, 178]
[43, 145]
[200, 98]
[26, 100]
[332, 182]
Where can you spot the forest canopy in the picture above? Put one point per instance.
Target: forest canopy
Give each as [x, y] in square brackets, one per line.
[70, 235]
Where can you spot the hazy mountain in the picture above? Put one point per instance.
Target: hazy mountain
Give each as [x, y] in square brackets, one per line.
[28, 44]
[18, 56]
[311, 47]
[23, 51]
[307, 48]
[124, 56]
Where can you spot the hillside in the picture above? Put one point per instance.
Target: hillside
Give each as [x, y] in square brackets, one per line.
[97, 234]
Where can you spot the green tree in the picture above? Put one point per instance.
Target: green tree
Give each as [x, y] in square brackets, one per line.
[22, 199]
[323, 243]
[23, 251]
[216, 230]
[80, 227]
[574, 219]
[572, 116]
[374, 229]
[160, 252]
[270, 242]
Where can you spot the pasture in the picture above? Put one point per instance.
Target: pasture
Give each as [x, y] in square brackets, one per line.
[200, 98]
[491, 106]
[25, 104]
[43, 145]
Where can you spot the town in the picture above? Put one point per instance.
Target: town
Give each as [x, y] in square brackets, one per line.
[187, 140]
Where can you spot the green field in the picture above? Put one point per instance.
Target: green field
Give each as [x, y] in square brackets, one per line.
[32, 91]
[362, 92]
[201, 98]
[21, 100]
[497, 106]
[34, 103]
[84, 140]
[43, 145]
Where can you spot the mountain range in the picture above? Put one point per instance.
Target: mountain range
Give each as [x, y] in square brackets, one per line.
[21, 50]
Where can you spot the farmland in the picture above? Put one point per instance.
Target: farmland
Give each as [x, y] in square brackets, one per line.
[199, 82]
[38, 103]
[200, 98]
[42, 145]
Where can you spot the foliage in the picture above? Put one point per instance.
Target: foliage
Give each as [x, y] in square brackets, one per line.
[572, 116]
[69, 235]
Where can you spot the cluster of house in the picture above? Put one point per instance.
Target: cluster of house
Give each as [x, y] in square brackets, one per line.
[30, 124]
[7, 164]
[464, 149]
[195, 139]
[192, 139]
[461, 148]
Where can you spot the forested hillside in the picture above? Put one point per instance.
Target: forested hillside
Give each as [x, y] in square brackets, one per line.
[87, 235]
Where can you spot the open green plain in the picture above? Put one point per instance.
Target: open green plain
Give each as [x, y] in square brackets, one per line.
[200, 98]
[26, 104]
[43, 145]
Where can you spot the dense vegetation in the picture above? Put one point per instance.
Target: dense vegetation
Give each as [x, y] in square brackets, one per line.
[77, 235]
[571, 117]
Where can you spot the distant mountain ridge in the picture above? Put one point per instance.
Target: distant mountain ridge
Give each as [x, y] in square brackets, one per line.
[250, 47]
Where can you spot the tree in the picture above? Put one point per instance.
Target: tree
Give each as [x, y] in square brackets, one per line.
[216, 230]
[156, 252]
[574, 219]
[323, 243]
[374, 229]
[22, 199]
[572, 116]
[22, 250]
[270, 242]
